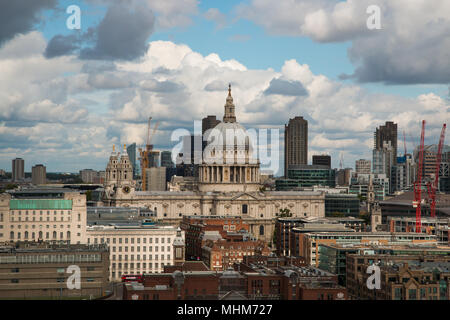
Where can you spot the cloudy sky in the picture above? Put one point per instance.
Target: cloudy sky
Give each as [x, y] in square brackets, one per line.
[66, 96]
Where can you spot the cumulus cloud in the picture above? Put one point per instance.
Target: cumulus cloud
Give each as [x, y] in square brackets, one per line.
[286, 88]
[122, 34]
[19, 16]
[411, 47]
[85, 106]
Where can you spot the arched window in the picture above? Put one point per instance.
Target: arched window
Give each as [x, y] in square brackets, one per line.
[54, 234]
[261, 230]
[68, 235]
[33, 235]
[40, 235]
[11, 235]
[26, 235]
[61, 235]
[18, 235]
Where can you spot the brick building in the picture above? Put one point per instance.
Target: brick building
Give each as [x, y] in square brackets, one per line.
[195, 228]
[254, 281]
[403, 277]
[222, 254]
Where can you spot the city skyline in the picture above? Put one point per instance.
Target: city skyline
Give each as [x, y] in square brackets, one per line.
[74, 101]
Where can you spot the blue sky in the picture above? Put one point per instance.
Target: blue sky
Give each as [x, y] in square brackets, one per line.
[262, 37]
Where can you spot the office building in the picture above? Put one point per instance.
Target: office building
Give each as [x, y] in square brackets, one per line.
[18, 167]
[295, 143]
[363, 166]
[38, 174]
[42, 271]
[305, 176]
[52, 215]
[131, 151]
[341, 204]
[343, 177]
[322, 160]
[386, 134]
[136, 248]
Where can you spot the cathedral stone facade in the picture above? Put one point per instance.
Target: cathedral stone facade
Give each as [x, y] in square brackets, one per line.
[229, 185]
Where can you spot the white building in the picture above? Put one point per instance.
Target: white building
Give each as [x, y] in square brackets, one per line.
[136, 249]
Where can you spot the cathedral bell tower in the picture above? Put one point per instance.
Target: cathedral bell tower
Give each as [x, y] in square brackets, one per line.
[229, 115]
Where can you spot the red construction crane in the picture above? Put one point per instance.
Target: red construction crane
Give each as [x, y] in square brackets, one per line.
[435, 184]
[418, 183]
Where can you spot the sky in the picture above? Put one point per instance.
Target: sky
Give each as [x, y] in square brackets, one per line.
[68, 95]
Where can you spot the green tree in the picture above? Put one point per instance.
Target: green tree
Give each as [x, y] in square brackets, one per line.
[284, 213]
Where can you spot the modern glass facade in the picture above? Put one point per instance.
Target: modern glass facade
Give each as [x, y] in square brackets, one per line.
[347, 204]
[307, 176]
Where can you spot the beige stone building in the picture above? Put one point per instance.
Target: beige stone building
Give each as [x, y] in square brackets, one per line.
[136, 249]
[43, 215]
[228, 185]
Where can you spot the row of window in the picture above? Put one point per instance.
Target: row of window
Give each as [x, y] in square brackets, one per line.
[41, 226]
[40, 212]
[132, 240]
[138, 257]
[40, 235]
[138, 249]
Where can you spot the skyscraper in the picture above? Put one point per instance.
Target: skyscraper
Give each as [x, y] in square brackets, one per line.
[18, 172]
[131, 150]
[295, 143]
[166, 159]
[38, 174]
[209, 122]
[385, 134]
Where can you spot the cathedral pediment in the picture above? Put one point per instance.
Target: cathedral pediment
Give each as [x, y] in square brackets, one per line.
[244, 196]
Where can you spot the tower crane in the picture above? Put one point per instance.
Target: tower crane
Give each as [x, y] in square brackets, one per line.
[144, 154]
[432, 186]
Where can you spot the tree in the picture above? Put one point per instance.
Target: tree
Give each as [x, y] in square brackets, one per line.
[284, 213]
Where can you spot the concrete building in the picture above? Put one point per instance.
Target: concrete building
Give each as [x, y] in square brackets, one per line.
[38, 174]
[42, 271]
[363, 166]
[386, 134]
[54, 215]
[136, 248]
[322, 160]
[156, 179]
[18, 167]
[295, 143]
[343, 177]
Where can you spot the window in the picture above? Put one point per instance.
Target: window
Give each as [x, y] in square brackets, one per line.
[244, 208]
[261, 230]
